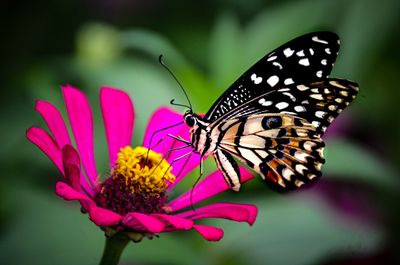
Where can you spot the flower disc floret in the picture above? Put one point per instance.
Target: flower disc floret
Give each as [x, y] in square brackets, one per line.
[143, 170]
[137, 183]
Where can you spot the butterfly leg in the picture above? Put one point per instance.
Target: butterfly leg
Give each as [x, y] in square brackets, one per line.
[229, 168]
[178, 138]
[195, 183]
[175, 160]
[166, 155]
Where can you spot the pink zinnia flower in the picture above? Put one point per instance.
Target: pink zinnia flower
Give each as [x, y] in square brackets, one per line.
[134, 198]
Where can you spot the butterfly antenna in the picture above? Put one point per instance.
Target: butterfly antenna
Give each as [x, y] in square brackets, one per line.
[172, 102]
[179, 83]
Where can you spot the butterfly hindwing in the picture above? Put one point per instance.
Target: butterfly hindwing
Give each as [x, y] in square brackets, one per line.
[306, 58]
[286, 150]
[229, 168]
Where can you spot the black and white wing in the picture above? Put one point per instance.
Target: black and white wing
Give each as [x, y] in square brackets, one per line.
[283, 147]
[274, 115]
[319, 102]
[307, 58]
[285, 150]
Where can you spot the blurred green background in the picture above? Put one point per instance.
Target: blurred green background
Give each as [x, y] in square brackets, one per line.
[350, 216]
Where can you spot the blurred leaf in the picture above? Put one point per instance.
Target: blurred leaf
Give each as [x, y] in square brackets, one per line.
[274, 26]
[152, 43]
[98, 43]
[347, 160]
[296, 229]
[364, 32]
[225, 51]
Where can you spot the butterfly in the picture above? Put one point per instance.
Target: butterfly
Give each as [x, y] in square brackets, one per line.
[273, 117]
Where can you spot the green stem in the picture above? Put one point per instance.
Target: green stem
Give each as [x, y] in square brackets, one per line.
[113, 249]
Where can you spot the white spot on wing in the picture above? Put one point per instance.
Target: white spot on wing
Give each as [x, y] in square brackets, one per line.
[332, 107]
[272, 58]
[288, 52]
[301, 156]
[299, 108]
[287, 173]
[277, 64]
[323, 61]
[273, 80]
[265, 103]
[315, 90]
[282, 105]
[328, 51]
[302, 87]
[316, 123]
[298, 183]
[300, 53]
[284, 89]
[308, 145]
[317, 96]
[255, 79]
[316, 39]
[311, 51]
[300, 168]
[304, 62]
[289, 95]
[335, 83]
[318, 73]
[288, 81]
[320, 114]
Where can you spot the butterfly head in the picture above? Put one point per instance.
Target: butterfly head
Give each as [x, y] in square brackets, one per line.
[190, 118]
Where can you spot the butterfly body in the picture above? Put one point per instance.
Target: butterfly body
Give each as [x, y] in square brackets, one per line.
[273, 117]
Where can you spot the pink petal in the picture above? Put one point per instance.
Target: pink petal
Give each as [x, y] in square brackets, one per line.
[175, 221]
[232, 211]
[66, 192]
[104, 217]
[72, 166]
[118, 115]
[162, 118]
[99, 216]
[210, 186]
[43, 140]
[73, 172]
[54, 121]
[143, 222]
[209, 232]
[181, 168]
[80, 118]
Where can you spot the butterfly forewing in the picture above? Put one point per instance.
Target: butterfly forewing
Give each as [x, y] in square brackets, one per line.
[307, 58]
[319, 102]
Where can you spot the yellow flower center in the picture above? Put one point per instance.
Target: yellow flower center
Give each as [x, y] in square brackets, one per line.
[137, 183]
[143, 170]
